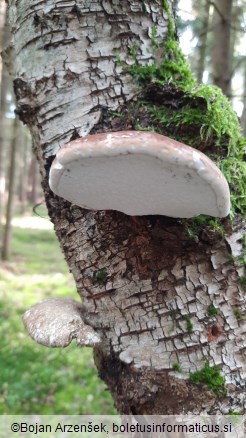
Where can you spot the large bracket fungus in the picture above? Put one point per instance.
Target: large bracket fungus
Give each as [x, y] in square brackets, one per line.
[57, 321]
[139, 173]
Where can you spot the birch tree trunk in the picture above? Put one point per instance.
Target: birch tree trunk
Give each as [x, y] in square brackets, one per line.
[145, 283]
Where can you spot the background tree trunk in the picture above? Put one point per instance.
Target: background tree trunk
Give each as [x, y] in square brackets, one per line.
[4, 85]
[145, 283]
[243, 117]
[24, 159]
[204, 7]
[33, 181]
[221, 50]
[3, 88]
[11, 187]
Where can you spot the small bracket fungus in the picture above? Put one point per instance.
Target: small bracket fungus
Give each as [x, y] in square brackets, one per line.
[57, 321]
[139, 173]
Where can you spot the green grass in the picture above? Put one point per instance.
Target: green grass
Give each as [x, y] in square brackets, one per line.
[33, 378]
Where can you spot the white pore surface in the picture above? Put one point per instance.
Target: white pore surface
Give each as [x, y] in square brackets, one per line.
[137, 184]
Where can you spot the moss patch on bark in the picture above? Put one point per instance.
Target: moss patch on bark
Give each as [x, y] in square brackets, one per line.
[211, 377]
[171, 103]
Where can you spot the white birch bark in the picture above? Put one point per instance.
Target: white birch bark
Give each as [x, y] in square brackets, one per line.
[68, 58]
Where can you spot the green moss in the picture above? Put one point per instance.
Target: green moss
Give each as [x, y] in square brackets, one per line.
[171, 24]
[212, 311]
[174, 314]
[221, 120]
[216, 226]
[212, 377]
[206, 121]
[168, 62]
[195, 225]
[234, 169]
[153, 37]
[189, 325]
[139, 127]
[238, 314]
[101, 277]
[134, 51]
[176, 367]
[243, 281]
[168, 66]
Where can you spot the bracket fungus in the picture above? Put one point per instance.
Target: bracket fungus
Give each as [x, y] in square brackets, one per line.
[57, 321]
[139, 173]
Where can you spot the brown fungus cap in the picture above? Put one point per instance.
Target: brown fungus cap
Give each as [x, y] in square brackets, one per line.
[139, 173]
[57, 321]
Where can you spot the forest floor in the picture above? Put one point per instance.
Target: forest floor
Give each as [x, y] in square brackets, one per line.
[33, 378]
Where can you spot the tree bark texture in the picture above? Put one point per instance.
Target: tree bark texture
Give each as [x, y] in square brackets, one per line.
[145, 283]
[221, 50]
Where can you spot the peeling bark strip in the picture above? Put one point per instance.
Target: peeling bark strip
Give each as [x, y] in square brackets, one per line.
[146, 285]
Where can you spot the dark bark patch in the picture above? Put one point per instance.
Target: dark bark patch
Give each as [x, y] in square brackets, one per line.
[150, 391]
[74, 135]
[21, 88]
[76, 11]
[26, 113]
[26, 106]
[214, 332]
